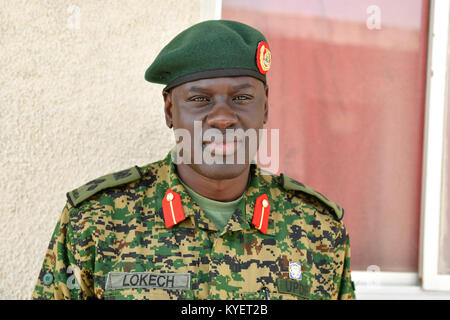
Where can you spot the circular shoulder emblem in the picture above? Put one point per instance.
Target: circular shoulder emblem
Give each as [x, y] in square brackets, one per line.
[47, 279]
[263, 57]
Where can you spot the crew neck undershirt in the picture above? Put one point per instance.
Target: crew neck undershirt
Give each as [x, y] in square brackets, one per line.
[218, 212]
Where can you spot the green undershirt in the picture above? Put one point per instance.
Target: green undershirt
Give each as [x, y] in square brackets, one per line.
[217, 211]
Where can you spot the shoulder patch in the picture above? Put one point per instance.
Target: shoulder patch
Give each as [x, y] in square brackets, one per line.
[86, 191]
[291, 184]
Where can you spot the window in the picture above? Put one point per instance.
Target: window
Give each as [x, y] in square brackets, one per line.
[349, 93]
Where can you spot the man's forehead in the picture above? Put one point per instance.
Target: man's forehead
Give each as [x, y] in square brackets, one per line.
[233, 83]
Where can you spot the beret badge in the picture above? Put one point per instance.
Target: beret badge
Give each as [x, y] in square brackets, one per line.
[263, 57]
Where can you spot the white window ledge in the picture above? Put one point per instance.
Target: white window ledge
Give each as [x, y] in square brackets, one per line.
[392, 286]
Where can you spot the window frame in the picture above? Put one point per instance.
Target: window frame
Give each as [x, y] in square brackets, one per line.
[426, 283]
[433, 177]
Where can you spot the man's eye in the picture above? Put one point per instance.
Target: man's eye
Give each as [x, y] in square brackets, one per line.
[199, 99]
[242, 98]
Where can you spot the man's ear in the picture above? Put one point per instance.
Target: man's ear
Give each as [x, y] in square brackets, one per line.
[168, 108]
[266, 105]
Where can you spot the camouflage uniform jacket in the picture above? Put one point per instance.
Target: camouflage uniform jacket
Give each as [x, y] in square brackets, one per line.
[115, 245]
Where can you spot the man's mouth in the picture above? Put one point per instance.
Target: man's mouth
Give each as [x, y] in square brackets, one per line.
[222, 149]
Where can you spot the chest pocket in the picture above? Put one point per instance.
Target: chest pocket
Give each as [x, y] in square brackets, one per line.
[147, 294]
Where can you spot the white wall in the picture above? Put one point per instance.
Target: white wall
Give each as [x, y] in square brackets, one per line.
[74, 106]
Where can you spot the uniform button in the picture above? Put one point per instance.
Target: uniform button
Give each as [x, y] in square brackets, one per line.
[265, 203]
[47, 279]
[169, 197]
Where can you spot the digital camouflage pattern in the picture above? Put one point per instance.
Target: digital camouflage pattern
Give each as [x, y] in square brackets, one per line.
[120, 232]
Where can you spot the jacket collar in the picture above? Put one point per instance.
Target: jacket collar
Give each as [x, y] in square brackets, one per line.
[194, 217]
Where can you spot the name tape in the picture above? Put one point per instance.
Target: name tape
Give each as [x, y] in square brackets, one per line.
[294, 287]
[124, 280]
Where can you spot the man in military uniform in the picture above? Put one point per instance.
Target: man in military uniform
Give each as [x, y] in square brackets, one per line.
[189, 230]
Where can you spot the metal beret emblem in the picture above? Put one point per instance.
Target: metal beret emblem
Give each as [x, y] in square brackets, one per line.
[263, 57]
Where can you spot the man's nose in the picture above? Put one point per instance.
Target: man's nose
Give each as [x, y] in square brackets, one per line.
[222, 116]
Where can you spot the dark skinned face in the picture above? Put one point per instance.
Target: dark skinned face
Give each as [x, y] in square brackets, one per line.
[219, 103]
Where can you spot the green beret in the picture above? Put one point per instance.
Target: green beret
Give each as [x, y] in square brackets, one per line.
[210, 49]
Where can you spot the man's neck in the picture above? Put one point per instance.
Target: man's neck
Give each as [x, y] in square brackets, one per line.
[219, 190]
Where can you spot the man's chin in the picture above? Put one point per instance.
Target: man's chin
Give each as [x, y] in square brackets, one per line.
[220, 171]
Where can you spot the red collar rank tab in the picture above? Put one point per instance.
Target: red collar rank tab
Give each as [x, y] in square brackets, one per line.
[172, 208]
[261, 213]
